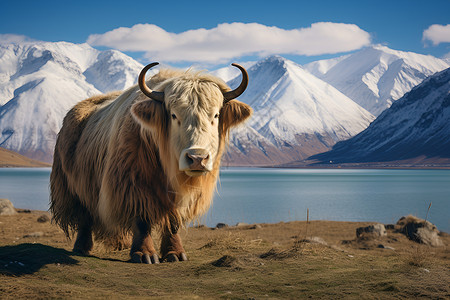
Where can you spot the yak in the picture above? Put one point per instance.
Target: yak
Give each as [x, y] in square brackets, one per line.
[143, 160]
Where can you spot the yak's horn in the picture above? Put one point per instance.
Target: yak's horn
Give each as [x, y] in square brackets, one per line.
[227, 96]
[158, 96]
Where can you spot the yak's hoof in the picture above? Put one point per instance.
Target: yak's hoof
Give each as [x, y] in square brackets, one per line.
[138, 257]
[172, 257]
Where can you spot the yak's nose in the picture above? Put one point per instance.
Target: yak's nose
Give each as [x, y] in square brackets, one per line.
[195, 161]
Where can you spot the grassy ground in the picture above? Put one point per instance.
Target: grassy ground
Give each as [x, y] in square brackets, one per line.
[270, 261]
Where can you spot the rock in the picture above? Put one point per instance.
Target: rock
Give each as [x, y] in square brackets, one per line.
[43, 219]
[221, 225]
[389, 226]
[385, 247]
[256, 226]
[314, 240]
[34, 235]
[419, 230]
[7, 208]
[371, 231]
[241, 224]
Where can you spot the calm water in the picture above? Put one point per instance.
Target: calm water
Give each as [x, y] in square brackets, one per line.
[274, 195]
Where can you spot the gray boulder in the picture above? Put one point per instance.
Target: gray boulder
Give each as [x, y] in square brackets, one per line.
[7, 208]
[419, 230]
[371, 231]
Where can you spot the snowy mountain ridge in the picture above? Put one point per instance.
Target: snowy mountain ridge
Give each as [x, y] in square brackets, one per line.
[376, 76]
[417, 125]
[294, 112]
[40, 82]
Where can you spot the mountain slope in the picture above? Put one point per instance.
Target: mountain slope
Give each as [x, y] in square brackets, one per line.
[417, 125]
[376, 76]
[295, 115]
[10, 159]
[228, 73]
[40, 82]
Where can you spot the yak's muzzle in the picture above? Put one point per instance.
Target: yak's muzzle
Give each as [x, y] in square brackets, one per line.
[195, 161]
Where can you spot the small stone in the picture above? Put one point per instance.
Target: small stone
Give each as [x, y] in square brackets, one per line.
[256, 226]
[241, 224]
[34, 235]
[221, 225]
[314, 240]
[43, 219]
[385, 247]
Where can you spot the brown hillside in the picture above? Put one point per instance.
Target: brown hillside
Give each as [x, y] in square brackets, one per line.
[11, 159]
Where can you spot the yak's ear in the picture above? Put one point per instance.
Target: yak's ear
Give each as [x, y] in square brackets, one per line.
[234, 113]
[149, 113]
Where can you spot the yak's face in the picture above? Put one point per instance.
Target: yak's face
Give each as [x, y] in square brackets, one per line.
[191, 119]
[194, 111]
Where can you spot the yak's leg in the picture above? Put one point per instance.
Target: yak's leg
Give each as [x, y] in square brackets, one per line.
[171, 247]
[142, 249]
[83, 244]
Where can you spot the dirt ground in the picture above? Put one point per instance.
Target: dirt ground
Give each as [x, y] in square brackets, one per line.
[316, 259]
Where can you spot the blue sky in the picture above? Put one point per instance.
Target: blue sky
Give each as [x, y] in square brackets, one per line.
[300, 30]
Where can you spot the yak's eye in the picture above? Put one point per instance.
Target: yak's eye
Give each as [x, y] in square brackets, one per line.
[174, 116]
[216, 116]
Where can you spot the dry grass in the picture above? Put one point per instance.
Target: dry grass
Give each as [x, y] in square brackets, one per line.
[418, 256]
[273, 261]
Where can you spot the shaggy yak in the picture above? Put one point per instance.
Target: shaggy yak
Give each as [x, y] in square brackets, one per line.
[124, 162]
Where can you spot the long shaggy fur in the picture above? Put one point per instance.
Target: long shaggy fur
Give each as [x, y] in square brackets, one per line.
[110, 169]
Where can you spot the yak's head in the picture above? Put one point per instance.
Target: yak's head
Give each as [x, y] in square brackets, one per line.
[191, 115]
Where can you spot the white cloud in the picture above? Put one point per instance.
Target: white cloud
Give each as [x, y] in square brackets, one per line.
[14, 39]
[233, 40]
[437, 34]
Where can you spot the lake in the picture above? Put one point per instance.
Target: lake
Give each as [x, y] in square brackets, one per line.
[257, 195]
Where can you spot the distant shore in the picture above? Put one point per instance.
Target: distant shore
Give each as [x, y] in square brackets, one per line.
[11, 159]
[6, 165]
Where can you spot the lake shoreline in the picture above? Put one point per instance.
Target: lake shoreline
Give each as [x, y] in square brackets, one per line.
[243, 224]
[29, 163]
[269, 195]
[331, 167]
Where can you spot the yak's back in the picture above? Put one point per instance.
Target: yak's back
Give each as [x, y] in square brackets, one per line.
[73, 125]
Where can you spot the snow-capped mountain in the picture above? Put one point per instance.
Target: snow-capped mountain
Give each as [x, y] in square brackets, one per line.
[40, 82]
[228, 73]
[295, 115]
[376, 76]
[415, 126]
